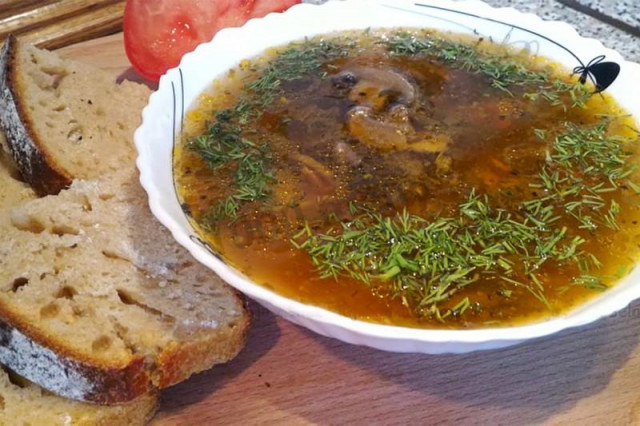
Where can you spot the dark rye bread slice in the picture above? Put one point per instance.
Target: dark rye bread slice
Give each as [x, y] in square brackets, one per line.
[24, 404]
[97, 301]
[63, 119]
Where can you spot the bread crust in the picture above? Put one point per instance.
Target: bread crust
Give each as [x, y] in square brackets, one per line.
[30, 156]
[178, 362]
[52, 367]
[41, 361]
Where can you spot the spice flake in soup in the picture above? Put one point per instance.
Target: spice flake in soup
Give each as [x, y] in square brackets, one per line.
[414, 178]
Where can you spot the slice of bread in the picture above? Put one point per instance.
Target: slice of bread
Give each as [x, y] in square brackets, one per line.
[97, 301]
[63, 119]
[24, 404]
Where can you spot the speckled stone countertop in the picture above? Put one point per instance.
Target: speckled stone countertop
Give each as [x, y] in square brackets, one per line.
[626, 44]
[625, 10]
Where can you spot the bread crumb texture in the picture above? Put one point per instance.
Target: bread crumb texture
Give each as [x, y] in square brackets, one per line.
[12, 190]
[86, 118]
[65, 119]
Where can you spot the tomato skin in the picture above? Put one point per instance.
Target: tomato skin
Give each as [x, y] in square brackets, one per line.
[157, 33]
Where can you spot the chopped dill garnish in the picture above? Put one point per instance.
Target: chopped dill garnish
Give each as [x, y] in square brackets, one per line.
[225, 144]
[581, 167]
[504, 71]
[298, 60]
[424, 263]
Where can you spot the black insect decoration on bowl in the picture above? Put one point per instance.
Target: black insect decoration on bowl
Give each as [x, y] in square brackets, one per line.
[601, 73]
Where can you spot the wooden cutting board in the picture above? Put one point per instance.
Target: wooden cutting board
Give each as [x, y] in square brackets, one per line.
[57, 23]
[288, 375]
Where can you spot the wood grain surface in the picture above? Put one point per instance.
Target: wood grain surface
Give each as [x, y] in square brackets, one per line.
[57, 23]
[288, 375]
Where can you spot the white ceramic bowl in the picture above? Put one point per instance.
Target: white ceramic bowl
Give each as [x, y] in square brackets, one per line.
[180, 87]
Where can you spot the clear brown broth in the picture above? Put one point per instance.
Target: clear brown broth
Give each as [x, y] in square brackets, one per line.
[492, 150]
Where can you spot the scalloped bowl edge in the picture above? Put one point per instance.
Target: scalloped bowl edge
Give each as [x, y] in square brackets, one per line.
[156, 175]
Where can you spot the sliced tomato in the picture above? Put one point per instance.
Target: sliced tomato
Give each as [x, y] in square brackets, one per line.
[158, 32]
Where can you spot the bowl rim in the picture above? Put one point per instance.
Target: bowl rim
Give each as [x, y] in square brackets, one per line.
[329, 322]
